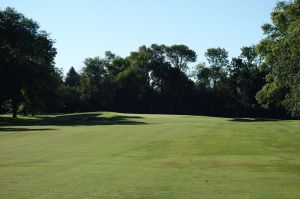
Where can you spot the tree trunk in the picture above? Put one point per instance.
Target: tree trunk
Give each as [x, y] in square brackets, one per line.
[32, 110]
[25, 112]
[14, 109]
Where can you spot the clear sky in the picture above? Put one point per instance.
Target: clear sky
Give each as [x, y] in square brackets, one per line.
[88, 28]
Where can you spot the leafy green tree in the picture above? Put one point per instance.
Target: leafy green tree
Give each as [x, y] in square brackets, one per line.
[203, 75]
[132, 91]
[180, 55]
[245, 78]
[27, 59]
[70, 92]
[72, 78]
[117, 65]
[280, 51]
[94, 72]
[218, 61]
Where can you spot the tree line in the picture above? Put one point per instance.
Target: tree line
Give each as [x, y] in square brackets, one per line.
[263, 81]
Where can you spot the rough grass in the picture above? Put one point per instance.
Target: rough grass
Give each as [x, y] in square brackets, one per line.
[129, 156]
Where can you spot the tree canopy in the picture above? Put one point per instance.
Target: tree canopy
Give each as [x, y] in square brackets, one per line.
[280, 51]
[27, 61]
[263, 81]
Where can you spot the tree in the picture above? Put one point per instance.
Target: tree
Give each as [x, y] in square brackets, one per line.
[70, 92]
[280, 51]
[95, 73]
[245, 79]
[95, 70]
[133, 84]
[27, 63]
[203, 75]
[132, 91]
[72, 78]
[218, 61]
[180, 55]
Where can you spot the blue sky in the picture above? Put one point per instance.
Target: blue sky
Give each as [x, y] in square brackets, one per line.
[88, 28]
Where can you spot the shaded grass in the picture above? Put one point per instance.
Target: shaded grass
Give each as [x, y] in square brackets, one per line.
[23, 129]
[110, 155]
[71, 120]
[253, 119]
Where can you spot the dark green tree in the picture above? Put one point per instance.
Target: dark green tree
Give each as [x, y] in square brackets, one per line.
[245, 79]
[180, 55]
[218, 62]
[72, 78]
[203, 75]
[27, 59]
[70, 91]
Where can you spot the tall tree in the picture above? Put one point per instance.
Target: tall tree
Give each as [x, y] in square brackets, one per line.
[71, 101]
[280, 51]
[27, 58]
[72, 78]
[95, 83]
[245, 78]
[218, 61]
[203, 75]
[180, 56]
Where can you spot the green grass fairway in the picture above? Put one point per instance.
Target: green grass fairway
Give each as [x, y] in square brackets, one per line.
[131, 156]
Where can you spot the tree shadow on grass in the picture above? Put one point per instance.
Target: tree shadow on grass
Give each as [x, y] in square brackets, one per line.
[253, 120]
[25, 129]
[80, 119]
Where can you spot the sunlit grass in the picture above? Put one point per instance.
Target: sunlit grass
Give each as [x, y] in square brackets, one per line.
[110, 155]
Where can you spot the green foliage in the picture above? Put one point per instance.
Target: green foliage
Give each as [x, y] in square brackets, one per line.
[281, 52]
[72, 78]
[27, 66]
[155, 78]
[203, 75]
[218, 61]
[180, 56]
[292, 101]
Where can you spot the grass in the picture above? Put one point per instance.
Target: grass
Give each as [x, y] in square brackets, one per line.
[130, 156]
